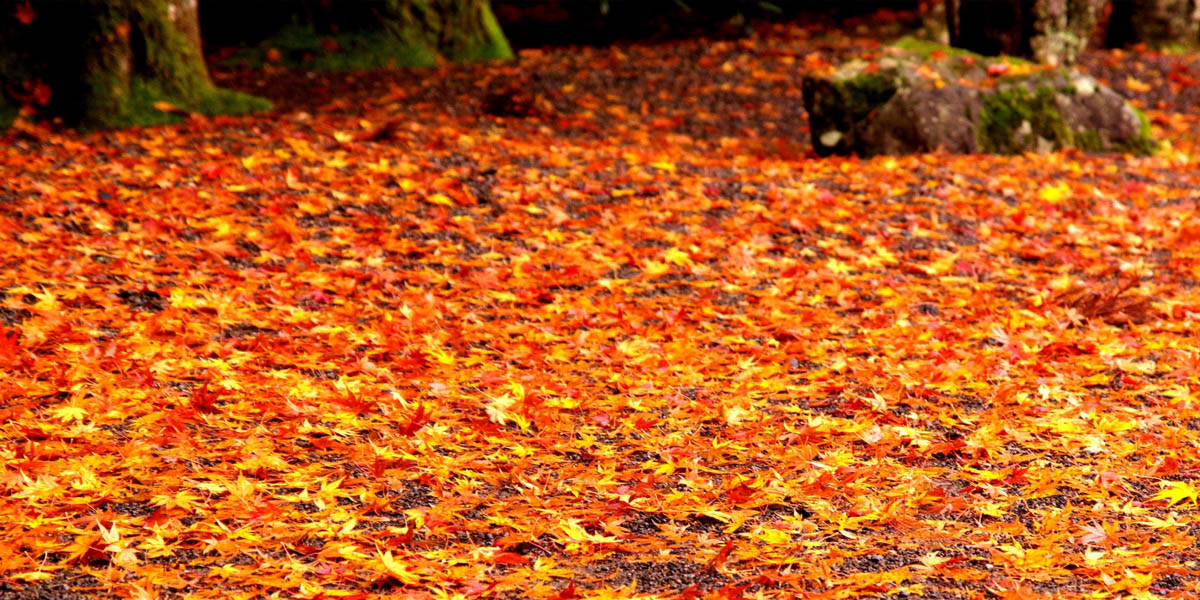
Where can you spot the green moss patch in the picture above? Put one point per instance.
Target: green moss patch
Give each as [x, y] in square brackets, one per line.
[1144, 143]
[1017, 112]
[926, 48]
[1013, 116]
[141, 109]
[865, 93]
[837, 107]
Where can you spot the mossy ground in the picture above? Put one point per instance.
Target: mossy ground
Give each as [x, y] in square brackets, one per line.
[145, 106]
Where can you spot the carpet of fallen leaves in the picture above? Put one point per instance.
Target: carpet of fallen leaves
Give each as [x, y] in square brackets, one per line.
[595, 324]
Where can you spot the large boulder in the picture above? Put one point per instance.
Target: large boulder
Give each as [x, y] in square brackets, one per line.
[914, 98]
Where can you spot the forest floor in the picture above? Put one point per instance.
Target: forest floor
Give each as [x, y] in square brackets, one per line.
[596, 324]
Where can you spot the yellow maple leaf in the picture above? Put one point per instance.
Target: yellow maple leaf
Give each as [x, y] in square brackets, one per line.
[654, 268]
[1175, 492]
[156, 546]
[436, 352]
[69, 412]
[397, 569]
[1170, 522]
[111, 536]
[46, 301]
[576, 532]
[678, 257]
[932, 560]
[31, 576]
[1054, 193]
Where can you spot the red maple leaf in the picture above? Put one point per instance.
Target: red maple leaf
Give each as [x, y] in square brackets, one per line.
[566, 593]
[24, 13]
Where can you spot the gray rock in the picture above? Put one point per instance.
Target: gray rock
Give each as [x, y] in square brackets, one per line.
[924, 119]
[911, 102]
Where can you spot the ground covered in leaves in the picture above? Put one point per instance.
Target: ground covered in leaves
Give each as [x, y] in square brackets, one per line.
[596, 324]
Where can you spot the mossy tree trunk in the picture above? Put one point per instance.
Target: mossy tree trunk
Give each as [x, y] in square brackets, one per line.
[143, 56]
[1048, 31]
[455, 30]
[458, 29]
[115, 63]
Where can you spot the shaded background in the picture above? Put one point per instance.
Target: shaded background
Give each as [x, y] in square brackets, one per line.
[547, 23]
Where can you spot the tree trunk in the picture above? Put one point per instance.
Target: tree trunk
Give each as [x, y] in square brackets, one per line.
[112, 63]
[990, 27]
[1062, 28]
[459, 29]
[1156, 23]
[1048, 31]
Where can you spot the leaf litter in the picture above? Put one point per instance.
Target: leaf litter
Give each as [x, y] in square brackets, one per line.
[625, 337]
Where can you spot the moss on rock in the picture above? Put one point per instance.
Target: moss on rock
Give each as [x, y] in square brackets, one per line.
[1013, 119]
[917, 99]
[848, 98]
[1029, 115]
[867, 91]
[1144, 142]
[927, 49]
